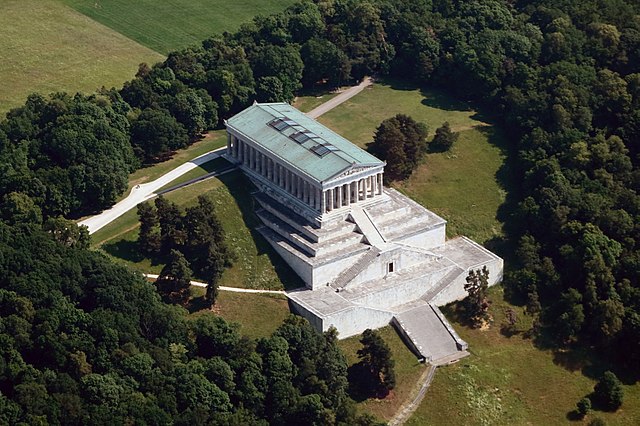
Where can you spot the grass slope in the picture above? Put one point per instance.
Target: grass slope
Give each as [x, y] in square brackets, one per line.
[508, 380]
[170, 24]
[46, 47]
[407, 369]
[358, 118]
[259, 315]
[462, 184]
[256, 265]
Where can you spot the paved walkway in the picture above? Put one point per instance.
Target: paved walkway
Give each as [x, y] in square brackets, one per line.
[224, 288]
[342, 97]
[148, 190]
[145, 191]
[408, 409]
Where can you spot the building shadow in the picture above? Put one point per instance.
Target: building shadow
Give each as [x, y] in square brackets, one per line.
[241, 188]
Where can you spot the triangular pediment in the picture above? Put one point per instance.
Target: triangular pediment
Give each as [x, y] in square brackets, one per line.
[352, 170]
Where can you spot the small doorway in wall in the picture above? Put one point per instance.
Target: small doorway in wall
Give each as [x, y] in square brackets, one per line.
[390, 267]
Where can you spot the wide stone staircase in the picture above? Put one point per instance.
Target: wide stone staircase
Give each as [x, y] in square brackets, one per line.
[428, 333]
[442, 284]
[350, 273]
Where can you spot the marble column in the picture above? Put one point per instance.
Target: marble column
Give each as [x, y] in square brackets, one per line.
[347, 189]
[330, 199]
[381, 183]
[353, 190]
[263, 165]
[323, 202]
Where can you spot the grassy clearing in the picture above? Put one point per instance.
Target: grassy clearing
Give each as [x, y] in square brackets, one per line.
[462, 184]
[256, 265]
[48, 47]
[306, 103]
[407, 369]
[358, 118]
[211, 141]
[170, 25]
[201, 170]
[258, 314]
[508, 380]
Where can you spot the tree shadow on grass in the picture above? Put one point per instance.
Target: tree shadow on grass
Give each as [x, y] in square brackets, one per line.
[197, 304]
[124, 249]
[241, 189]
[362, 384]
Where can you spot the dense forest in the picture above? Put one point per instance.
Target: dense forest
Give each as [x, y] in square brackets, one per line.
[562, 76]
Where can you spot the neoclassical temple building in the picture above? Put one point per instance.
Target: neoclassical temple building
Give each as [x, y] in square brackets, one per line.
[369, 256]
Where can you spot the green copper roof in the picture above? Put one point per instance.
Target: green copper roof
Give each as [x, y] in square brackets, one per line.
[300, 141]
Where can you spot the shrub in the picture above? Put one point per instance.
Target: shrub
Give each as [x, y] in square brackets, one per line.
[608, 391]
[583, 406]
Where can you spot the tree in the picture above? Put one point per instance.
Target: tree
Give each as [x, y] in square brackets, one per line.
[68, 232]
[155, 134]
[477, 303]
[583, 407]
[148, 237]
[281, 62]
[324, 61]
[212, 292]
[376, 356]
[172, 233]
[444, 138]
[608, 392]
[175, 278]
[400, 141]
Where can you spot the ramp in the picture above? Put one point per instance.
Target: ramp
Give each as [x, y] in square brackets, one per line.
[430, 335]
[367, 227]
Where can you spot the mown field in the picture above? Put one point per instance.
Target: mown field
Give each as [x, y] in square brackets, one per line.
[461, 185]
[509, 381]
[47, 47]
[171, 24]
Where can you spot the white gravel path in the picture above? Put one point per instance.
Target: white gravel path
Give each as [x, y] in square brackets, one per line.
[224, 288]
[145, 191]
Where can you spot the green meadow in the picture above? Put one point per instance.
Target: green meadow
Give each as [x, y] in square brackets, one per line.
[462, 184]
[507, 380]
[47, 47]
[169, 25]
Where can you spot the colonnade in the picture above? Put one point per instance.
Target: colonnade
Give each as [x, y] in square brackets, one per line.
[307, 192]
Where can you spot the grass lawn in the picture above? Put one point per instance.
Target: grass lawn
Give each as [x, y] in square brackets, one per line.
[258, 314]
[306, 103]
[508, 380]
[358, 118]
[407, 369]
[47, 47]
[169, 24]
[214, 139]
[462, 184]
[256, 264]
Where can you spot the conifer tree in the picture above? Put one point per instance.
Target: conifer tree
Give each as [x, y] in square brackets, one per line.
[376, 355]
[175, 279]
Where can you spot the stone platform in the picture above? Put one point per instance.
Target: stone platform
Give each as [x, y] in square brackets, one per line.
[386, 262]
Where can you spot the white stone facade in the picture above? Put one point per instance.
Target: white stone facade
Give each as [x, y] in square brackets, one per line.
[367, 254]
